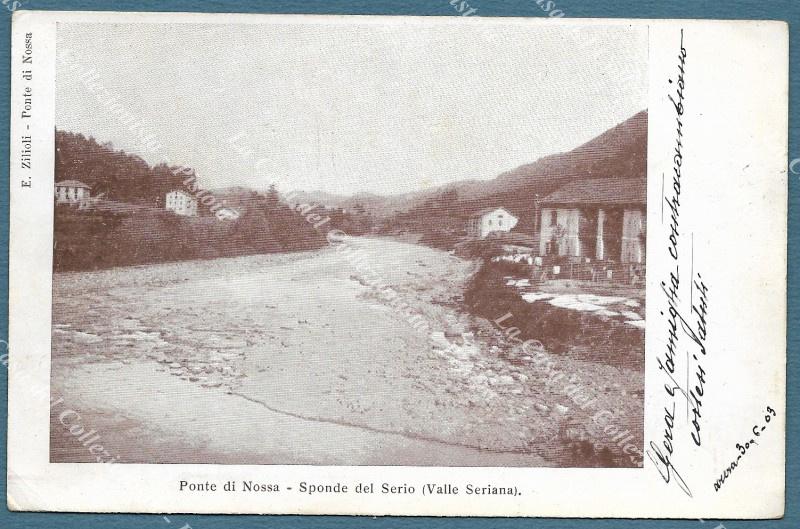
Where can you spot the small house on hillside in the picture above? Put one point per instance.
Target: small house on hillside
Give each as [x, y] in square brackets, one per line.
[598, 218]
[72, 192]
[227, 214]
[489, 220]
[181, 203]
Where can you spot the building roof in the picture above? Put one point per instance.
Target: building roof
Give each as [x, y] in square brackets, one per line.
[72, 183]
[484, 211]
[600, 191]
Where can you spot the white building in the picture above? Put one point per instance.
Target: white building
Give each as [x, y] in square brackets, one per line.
[181, 203]
[72, 192]
[488, 220]
[227, 214]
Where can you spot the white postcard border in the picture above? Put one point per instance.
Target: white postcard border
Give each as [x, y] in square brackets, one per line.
[736, 145]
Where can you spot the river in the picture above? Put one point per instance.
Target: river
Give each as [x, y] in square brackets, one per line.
[358, 354]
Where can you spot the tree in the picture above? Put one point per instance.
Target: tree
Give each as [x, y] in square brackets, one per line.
[273, 198]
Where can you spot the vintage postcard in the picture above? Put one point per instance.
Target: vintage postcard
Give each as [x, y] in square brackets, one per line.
[397, 265]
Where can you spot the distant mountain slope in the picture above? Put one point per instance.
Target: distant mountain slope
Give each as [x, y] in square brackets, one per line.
[300, 196]
[619, 152]
[376, 205]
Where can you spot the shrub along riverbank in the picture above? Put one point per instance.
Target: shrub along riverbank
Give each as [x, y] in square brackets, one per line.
[86, 240]
[577, 334]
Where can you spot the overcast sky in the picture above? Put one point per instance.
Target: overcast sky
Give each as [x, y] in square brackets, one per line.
[346, 108]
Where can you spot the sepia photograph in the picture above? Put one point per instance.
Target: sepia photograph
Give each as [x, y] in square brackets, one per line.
[349, 244]
[372, 265]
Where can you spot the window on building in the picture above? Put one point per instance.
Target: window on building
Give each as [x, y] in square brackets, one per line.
[553, 217]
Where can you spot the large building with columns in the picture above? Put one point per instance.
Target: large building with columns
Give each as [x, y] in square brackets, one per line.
[601, 219]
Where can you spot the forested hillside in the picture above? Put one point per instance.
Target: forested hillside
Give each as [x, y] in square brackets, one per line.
[102, 237]
[113, 174]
